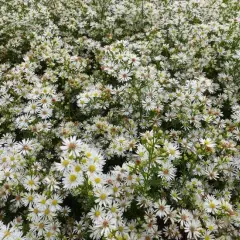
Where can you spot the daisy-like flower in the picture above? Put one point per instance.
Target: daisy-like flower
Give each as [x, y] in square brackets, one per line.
[39, 227]
[33, 213]
[192, 228]
[45, 112]
[64, 165]
[226, 206]
[211, 225]
[28, 199]
[31, 183]
[122, 229]
[115, 210]
[167, 171]
[211, 204]
[98, 180]
[25, 147]
[10, 233]
[103, 197]
[47, 213]
[6, 231]
[162, 208]
[23, 121]
[93, 169]
[175, 195]
[207, 142]
[17, 201]
[79, 227]
[150, 226]
[104, 225]
[207, 235]
[32, 108]
[172, 150]
[149, 104]
[45, 101]
[211, 172]
[41, 202]
[72, 180]
[65, 211]
[82, 101]
[142, 152]
[184, 216]
[55, 202]
[49, 235]
[171, 231]
[51, 183]
[124, 75]
[72, 146]
[96, 212]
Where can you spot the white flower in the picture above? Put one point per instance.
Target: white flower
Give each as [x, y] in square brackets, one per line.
[72, 180]
[192, 228]
[55, 202]
[162, 208]
[124, 75]
[96, 212]
[72, 146]
[103, 197]
[211, 172]
[172, 150]
[45, 112]
[93, 169]
[28, 199]
[149, 104]
[31, 183]
[184, 216]
[103, 226]
[211, 204]
[25, 147]
[207, 142]
[64, 165]
[167, 171]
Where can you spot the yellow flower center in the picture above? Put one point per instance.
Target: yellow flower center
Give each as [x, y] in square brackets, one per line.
[35, 210]
[31, 182]
[92, 168]
[211, 228]
[65, 162]
[47, 211]
[172, 151]
[77, 168]
[72, 178]
[88, 154]
[103, 196]
[30, 198]
[212, 205]
[54, 202]
[49, 234]
[113, 209]
[120, 229]
[97, 180]
[84, 160]
[97, 213]
[41, 225]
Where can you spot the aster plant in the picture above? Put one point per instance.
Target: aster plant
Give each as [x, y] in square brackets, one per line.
[120, 119]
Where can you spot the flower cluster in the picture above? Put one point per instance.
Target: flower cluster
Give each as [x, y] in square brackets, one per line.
[119, 119]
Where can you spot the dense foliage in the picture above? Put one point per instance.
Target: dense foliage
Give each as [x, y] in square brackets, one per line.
[120, 119]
